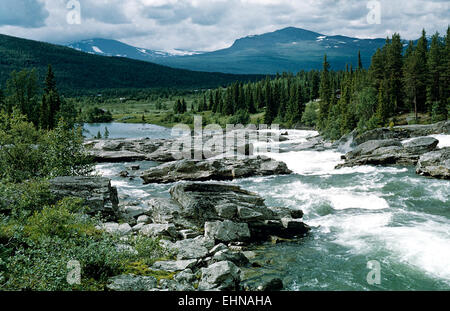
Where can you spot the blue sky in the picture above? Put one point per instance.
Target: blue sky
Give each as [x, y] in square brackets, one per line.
[214, 24]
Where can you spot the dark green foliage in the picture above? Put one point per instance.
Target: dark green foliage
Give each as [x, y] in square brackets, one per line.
[97, 115]
[325, 93]
[26, 152]
[80, 73]
[22, 93]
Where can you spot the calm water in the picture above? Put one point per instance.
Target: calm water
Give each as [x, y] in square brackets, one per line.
[388, 214]
[123, 130]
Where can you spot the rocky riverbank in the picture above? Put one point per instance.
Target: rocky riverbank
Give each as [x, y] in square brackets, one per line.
[207, 226]
[403, 145]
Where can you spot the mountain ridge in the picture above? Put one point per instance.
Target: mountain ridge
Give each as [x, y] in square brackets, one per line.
[288, 49]
[80, 72]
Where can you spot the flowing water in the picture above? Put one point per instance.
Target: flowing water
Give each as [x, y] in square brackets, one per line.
[357, 215]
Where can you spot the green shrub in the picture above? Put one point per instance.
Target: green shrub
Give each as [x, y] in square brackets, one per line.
[43, 265]
[22, 200]
[27, 153]
[62, 221]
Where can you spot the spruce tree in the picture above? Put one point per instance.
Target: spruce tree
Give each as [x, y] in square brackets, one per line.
[382, 113]
[50, 101]
[270, 111]
[411, 80]
[434, 87]
[422, 72]
[325, 93]
[394, 68]
[2, 100]
[360, 65]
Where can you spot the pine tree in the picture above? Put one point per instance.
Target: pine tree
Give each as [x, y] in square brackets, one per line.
[445, 77]
[382, 113]
[183, 106]
[434, 87]
[360, 65]
[228, 108]
[177, 107]
[325, 92]
[422, 72]
[270, 111]
[411, 80]
[106, 134]
[2, 100]
[394, 68]
[211, 101]
[50, 101]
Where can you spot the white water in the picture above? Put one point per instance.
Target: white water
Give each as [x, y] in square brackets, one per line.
[388, 214]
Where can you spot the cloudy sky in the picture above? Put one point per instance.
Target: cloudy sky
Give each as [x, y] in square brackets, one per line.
[213, 24]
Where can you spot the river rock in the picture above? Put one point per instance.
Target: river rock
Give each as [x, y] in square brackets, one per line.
[420, 145]
[158, 230]
[143, 219]
[135, 211]
[116, 229]
[185, 276]
[389, 151]
[116, 156]
[238, 258]
[223, 275]
[174, 265]
[98, 194]
[229, 213]
[129, 150]
[227, 231]
[131, 282]
[192, 248]
[220, 169]
[435, 164]
[403, 132]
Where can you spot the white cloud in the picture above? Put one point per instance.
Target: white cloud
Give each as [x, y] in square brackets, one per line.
[214, 24]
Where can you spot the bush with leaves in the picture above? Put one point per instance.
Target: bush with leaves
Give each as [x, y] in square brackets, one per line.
[26, 152]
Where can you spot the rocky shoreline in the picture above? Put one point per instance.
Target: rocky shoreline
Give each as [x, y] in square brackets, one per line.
[210, 227]
[207, 226]
[402, 145]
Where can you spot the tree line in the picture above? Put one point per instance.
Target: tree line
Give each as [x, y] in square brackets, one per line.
[399, 80]
[43, 107]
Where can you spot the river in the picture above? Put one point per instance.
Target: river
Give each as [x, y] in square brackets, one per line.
[357, 215]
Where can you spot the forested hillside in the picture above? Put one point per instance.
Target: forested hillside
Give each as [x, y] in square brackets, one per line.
[79, 72]
[397, 82]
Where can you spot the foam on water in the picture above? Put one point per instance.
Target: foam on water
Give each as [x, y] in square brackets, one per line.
[324, 163]
[309, 162]
[382, 213]
[444, 140]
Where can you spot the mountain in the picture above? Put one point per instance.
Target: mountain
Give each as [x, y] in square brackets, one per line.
[79, 72]
[109, 47]
[289, 49]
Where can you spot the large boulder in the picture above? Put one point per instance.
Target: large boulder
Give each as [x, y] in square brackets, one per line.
[129, 150]
[389, 151]
[174, 265]
[192, 248]
[159, 230]
[115, 228]
[227, 231]
[229, 213]
[403, 132]
[97, 192]
[223, 275]
[435, 164]
[218, 169]
[420, 145]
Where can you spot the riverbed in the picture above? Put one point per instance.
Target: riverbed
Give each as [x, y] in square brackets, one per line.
[357, 215]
